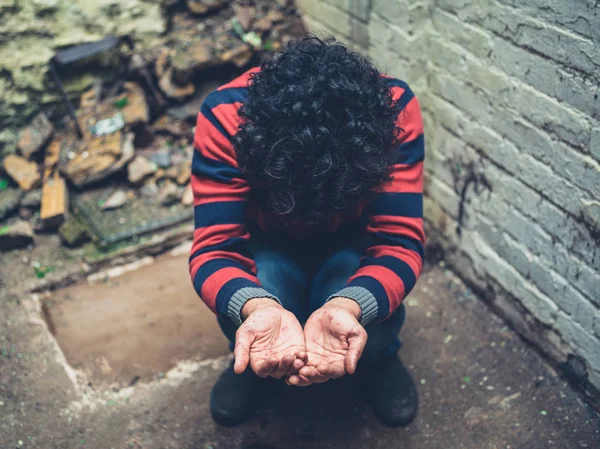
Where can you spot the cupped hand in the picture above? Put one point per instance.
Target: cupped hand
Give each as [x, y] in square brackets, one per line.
[335, 341]
[270, 340]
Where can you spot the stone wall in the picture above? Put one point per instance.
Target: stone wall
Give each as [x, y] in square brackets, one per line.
[32, 30]
[511, 99]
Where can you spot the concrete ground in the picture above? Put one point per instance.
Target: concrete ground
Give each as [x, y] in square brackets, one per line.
[480, 386]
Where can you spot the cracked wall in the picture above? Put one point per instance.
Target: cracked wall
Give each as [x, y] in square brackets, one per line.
[32, 30]
[511, 100]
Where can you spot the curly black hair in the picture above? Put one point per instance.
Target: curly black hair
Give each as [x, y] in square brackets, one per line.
[316, 131]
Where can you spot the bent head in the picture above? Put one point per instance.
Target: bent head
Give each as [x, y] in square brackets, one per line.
[317, 131]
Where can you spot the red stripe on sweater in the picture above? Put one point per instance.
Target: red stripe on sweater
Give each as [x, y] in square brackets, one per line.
[394, 225]
[207, 190]
[212, 143]
[393, 285]
[412, 258]
[219, 278]
[227, 114]
[213, 235]
[405, 178]
[410, 121]
[242, 80]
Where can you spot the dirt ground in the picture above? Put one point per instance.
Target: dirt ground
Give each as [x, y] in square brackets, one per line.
[480, 385]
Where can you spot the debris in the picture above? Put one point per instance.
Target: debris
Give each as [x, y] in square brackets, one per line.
[169, 194]
[467, 379]
[239, 55]
[139, 169]
[177, 128]
[161, 157]
[35, 136]
[543, 412]
[184, 173]
[25, 213]
[171, 90]
[54, 207]
[188, 196]
[190, 59]
[3, 183]
[32, 199]
[17, 235]
[52, 158]
[120, 103]
[40, 271]
[149, 190]
[135, 110]
[189, 110]
[203, 6]
[9, 201]
[104, 156]
[265, 23]
[245, 16]
[108, 126]
[73, 232]
[23, 172]
[116, 199]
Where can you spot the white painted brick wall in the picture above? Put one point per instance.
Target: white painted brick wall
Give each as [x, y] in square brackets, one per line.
[512, 86]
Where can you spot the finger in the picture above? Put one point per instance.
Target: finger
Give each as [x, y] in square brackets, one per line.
[355, 350]
[283, 366]
[265, 367]
[297, 364]
[302, 355]
[332, 371]
[298, 381]
[312, 374]
[241, 352]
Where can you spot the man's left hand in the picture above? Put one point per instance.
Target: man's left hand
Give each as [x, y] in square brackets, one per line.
[334, 342]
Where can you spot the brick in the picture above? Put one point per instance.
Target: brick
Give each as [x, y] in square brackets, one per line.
[541, 110]
[411, 17]
[553, 226]
[531, 171]
[547, 76]
[581, 16]
[595, 143]
[334, 18]
[360, 9]
[585, 342]
[556, 43]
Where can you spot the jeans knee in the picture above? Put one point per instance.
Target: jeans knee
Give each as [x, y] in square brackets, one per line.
[333, 275]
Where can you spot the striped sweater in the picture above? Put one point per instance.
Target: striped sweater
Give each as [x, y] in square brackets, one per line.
[221, 267]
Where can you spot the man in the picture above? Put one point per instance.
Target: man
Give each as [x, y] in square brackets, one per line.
[307, 180]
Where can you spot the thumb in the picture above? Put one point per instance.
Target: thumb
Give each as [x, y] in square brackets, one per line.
[356, 346]
[241, 353]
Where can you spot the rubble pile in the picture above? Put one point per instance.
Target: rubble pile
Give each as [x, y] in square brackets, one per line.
[133, 150]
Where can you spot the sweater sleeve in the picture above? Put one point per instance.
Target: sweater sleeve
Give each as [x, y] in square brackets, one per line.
[221, 266]
[392, 264]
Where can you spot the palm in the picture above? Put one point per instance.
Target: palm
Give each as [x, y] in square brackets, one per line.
[327, 343]
[272, 340]
[334, 343]
[277, 333]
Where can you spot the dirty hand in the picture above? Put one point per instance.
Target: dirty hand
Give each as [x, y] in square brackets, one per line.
[270, 340]
[334, 342]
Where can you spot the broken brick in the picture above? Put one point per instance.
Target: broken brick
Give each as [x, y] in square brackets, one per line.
[35, 136]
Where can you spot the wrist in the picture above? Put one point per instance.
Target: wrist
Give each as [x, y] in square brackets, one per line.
[346, 303]
[254, 304]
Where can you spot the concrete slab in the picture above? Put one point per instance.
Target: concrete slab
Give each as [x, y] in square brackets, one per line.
[134, 327]
[481, 387]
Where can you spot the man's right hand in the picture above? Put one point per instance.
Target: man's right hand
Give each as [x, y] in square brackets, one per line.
[270, 340]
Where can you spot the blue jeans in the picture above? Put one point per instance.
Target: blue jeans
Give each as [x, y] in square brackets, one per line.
[304, 274]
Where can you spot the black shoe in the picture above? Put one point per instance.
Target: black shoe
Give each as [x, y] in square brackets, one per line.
[391, 392]
[235, 397]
